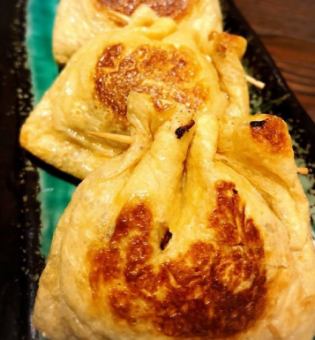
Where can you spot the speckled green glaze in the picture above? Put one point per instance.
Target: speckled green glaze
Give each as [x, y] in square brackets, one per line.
[55, 193]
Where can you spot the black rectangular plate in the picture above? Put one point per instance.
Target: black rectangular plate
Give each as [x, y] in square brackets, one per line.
[20, 262]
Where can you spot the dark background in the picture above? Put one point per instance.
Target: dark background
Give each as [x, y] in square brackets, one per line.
[287, 28]
[19, 222]
[9, 235]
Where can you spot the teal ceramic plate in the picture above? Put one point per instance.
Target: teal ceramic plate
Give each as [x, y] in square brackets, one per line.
[55, 192]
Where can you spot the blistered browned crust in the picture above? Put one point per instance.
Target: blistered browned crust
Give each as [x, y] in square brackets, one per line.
[163, 73]
[272, 133]
[224, 42]
[164, 8]
[212, 290]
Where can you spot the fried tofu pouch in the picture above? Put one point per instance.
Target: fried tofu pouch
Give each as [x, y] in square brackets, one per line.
[206, 237]
[78, 21]
[88, 117]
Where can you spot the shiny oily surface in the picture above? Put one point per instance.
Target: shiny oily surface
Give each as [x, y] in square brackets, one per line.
[271, 133]
[213, 289]
[20, 261]
[171, 8]
[161, 72]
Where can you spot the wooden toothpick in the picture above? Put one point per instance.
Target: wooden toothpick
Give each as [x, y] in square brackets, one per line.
[259, 84]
